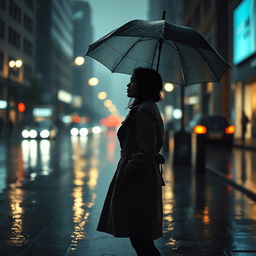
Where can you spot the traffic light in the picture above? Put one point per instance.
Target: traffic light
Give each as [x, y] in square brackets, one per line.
[21, 107]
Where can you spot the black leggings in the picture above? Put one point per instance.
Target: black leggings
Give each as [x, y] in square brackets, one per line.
[144, 247]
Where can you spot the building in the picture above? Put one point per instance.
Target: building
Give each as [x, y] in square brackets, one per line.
[83, 32]
[17, 41]
[54, 53]
[243, 57]
[211, 19]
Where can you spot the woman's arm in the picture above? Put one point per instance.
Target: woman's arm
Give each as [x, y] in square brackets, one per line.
[146, 139]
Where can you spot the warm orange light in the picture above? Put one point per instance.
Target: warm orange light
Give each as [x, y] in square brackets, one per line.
[200, 129]
[21, 107]
[230, 129]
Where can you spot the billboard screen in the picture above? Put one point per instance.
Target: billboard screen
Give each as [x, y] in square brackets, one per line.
[244, 36]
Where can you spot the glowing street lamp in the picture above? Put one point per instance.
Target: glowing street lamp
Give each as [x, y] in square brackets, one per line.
[102, 95]
[107, 103]
[79, 61]
[13, 64]
[18, 63]
[168, 87]
[93, 81]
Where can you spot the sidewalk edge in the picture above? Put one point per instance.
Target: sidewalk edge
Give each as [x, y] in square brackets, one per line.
[246, 191]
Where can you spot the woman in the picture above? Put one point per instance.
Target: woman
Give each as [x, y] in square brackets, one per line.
[133, 205]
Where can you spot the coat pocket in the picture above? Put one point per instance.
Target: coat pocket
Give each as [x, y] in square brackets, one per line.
[132, 173]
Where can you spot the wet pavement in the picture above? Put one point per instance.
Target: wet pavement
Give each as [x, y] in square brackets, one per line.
[52, 192]
[237, 165]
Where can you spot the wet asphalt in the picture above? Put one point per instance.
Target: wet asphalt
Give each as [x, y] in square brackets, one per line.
[52, 192]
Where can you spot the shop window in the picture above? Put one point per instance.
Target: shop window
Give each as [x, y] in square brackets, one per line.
[14, 37]
[15, 11]
[27, 47]
[2, 29]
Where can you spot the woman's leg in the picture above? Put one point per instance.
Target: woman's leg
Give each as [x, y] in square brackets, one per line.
[144, 247]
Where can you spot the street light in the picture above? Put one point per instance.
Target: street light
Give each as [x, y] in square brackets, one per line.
[79, 61]
[13, 64]
[93, 81]
[102, 95]
[168, 87]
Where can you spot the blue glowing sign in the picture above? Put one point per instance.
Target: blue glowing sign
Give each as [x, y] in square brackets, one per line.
[244, 36]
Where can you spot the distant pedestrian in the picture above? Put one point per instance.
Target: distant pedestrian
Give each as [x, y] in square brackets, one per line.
[133, 206]
[244, 123]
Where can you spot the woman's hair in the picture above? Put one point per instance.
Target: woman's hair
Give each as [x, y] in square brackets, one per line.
[150, 85]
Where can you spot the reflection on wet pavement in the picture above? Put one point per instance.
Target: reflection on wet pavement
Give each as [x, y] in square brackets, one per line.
[56, 191]
[236, 164]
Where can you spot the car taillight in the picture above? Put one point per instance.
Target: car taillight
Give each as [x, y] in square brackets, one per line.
[230, 129]
[200, 129]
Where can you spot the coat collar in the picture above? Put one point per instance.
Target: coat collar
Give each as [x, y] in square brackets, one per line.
[132, 111]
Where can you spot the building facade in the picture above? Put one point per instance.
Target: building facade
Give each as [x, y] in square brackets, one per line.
[54, 53]
[243, 56]
[17, 41]
[211, 19]
[83, 33]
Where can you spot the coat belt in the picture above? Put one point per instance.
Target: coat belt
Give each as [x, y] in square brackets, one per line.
[158, 158]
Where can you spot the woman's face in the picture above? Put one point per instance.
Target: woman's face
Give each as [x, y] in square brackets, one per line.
[132, 88]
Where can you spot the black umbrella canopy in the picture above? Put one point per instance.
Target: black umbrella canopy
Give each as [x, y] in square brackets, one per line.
[186, 56]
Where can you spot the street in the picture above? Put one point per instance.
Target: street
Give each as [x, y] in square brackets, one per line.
[52, 192]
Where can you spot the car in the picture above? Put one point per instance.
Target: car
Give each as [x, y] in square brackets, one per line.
[79, 129]
[216, 127]
[40, 130]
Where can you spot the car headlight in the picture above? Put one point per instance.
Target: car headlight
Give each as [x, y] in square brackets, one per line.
[25, 134]
[96, 129]
[83, 132]
[32, 133]
[74, 131]
[44, 134]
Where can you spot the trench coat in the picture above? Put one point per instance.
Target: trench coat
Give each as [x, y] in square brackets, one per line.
[133, 205]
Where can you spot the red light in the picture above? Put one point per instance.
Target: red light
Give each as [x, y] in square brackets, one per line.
[230, 129]
[200, 129]
[21, 107]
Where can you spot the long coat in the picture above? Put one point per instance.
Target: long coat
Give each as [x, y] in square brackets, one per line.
[133, 205]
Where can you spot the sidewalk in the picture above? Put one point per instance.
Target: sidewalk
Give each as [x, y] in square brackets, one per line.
[249, 144]
[205, 216]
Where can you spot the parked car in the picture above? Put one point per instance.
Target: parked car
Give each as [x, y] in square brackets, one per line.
[40, 130]
[216, 128]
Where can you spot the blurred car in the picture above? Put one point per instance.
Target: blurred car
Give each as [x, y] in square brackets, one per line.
[216, 128]
[40, 130]
[79, 129]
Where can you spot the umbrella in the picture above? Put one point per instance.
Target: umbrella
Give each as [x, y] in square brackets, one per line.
[180, 54]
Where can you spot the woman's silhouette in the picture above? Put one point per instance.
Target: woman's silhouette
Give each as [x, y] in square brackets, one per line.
[133, 206]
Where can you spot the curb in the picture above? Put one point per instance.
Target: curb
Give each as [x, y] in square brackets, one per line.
[246, 191]
[244, 147]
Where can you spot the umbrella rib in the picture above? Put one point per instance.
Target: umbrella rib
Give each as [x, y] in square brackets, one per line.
[206, 62]
[184, 77]
[171, 45]
[154, 55]
[126, 54]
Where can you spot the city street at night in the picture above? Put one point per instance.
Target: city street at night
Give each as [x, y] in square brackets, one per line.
[52, 194]
[128, 128]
